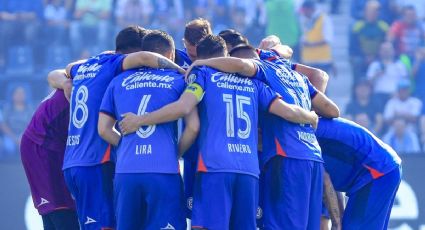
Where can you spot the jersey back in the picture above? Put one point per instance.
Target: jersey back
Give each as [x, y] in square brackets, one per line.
[228, 111]
[90, 79]
[182, 59]
[281, 137]
[152, 149]
[353, 155]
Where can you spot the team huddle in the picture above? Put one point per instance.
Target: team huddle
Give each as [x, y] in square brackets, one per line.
[263, 146]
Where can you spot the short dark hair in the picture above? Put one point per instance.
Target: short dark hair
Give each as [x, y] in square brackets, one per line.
[233, 38]
[130, 39]
[244, 51]
[197, 29]
[211, 46]
[158, 41]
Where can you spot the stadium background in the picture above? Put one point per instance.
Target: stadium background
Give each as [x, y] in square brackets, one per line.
[37, 36]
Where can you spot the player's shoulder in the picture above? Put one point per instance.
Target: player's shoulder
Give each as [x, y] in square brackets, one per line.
[182, 58]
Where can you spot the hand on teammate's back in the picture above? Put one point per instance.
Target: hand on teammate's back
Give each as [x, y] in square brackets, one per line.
[67, 88]
[316, 120]
[129, 123]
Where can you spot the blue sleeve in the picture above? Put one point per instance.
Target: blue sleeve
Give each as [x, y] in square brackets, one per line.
[261, 71]
[311, 89]
[74, 70]
[117, 62]
[108, 105]
[265, 96]
[197, 76]
[267, 54]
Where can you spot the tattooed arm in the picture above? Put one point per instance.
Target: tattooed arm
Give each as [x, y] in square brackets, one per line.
[330, 198]
[150, 59]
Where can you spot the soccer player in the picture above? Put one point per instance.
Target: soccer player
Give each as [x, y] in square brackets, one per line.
[226, 186]
[194, 31]
[148, 188]
[291, 158]
[42, 151]
[87, 167]
[362, 166]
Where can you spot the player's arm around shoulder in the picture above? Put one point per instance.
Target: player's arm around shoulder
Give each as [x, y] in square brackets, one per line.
[173, 111]
[191, 130]
[324, 106]
[149, 59]
[58, 79]
[293, 113]
[105, 127]
[245, 67]
[317, 77]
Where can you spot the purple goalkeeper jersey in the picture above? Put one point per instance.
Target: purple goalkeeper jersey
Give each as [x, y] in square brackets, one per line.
[49, 124]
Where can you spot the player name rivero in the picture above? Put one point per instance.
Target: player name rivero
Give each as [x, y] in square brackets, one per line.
[143, 149]
[147, 80]
[238, 148]
[73, 140]
[232, 82]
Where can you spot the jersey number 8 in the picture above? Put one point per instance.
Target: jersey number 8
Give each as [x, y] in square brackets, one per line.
[80, 104]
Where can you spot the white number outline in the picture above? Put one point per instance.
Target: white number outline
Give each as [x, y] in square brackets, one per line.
[81, 98]
[240, 114]
[141, 132]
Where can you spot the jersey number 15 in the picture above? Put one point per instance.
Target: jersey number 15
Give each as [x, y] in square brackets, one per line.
[240, 114]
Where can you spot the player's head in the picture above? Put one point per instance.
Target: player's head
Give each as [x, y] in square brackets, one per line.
[194, 31]
[233, 38]
[211, 46]
[160, 42]
[244, 51]
[129, 39]
[409, 15]
[403, 88]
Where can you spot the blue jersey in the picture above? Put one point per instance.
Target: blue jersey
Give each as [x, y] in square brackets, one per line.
[182, 59]
[84, 146]
[152, 149]
[353, 156]
[281, 137]
[228, 113]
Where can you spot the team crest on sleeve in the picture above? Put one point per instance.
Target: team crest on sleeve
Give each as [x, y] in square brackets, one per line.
[191, 78]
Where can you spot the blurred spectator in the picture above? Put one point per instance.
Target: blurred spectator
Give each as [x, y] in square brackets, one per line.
[91, 25]
[19, 24]
[367, 34]
[16, 116]
[133, 12]
[363, 120]
[56, 22]
[173, 25]
[407, 33]
[403, 106]
[364, 104]
[402, 139]
[288, 34]
[385, 73]
[387, 12]
[220, 12]
[317, 37]
[250, 17]
[418, 5]
[418, 73]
